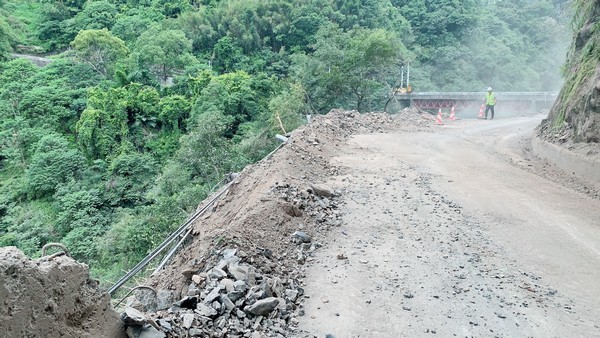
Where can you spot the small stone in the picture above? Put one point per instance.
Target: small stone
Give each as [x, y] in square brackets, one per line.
[227, 284]
[406, 308]
[235, 295]
[238, 272]
[147, 331]
[408, 294]
[165, 325]
[197, 279]
[240, 285]
[301, 236]
[193, 291]
[292, 295]
[194, 332]
[322, 190]
[216, 273]
[187, 320]
[263, 307]
[240, 314]
[227, 303]
[214, 294]
[205, 310]
[228, 253]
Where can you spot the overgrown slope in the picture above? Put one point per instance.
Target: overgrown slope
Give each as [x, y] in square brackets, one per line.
[576, 114]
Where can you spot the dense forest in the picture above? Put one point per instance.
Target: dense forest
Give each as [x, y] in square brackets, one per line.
[149, 103]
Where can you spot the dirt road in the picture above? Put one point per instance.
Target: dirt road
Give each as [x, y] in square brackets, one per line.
[460, 232]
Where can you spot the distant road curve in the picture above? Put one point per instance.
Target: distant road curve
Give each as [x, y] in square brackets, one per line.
[37, 60]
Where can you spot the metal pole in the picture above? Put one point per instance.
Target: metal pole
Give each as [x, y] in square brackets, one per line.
[408, 75]
[402, 78]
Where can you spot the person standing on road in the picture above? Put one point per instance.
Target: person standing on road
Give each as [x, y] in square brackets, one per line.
[490, 102]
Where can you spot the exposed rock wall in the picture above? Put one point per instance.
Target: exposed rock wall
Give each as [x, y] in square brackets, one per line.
[52, 298]
[575, 115]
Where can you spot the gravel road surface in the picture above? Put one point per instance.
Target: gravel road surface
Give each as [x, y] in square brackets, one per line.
[457, 232]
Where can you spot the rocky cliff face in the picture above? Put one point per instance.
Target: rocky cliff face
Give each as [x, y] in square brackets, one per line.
[52, 297]
[576, 114]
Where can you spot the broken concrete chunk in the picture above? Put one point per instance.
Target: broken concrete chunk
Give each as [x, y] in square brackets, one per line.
[197, 279]
[292, 295]
[301, 236]
[238, 272]
[216, 273]
[166, 326]
[227, 303]
[235, 295]
[228, 284]
[196, 332]
[263, 307]
[214, 294]
[240, 285]
[187, 320]
[206, 311]
[277, 286]
[132, 316]
[147, 331]
[322, 190]
[228, 253]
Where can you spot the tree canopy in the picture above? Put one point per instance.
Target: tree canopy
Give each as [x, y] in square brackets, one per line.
[147, 104]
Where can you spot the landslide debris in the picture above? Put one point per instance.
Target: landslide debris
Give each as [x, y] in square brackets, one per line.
[52, 297]
[241, 275]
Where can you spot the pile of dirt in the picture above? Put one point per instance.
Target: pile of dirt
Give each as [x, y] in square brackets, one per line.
[275, 215]
[52, 297]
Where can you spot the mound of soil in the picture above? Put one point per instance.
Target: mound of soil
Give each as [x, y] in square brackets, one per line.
[264, 217]
[52, 297]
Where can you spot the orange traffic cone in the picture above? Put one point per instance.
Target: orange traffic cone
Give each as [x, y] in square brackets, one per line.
[452, 116]
[480, 116]
[438, 118]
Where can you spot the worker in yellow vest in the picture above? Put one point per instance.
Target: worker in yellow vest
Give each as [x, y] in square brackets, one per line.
[490, 102]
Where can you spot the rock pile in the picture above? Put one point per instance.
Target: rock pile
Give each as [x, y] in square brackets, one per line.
[232, 299]
[246, 291]
[319, 202]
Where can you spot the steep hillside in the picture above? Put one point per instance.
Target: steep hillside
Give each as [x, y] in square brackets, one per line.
[575, 117]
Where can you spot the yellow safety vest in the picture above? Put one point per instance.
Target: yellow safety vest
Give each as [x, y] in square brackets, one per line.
[490, 99]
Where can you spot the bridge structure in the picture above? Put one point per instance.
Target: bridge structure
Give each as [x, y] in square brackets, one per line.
[515, 101]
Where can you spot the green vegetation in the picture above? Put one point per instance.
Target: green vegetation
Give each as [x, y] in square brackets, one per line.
[582, 58]
[149, 103]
